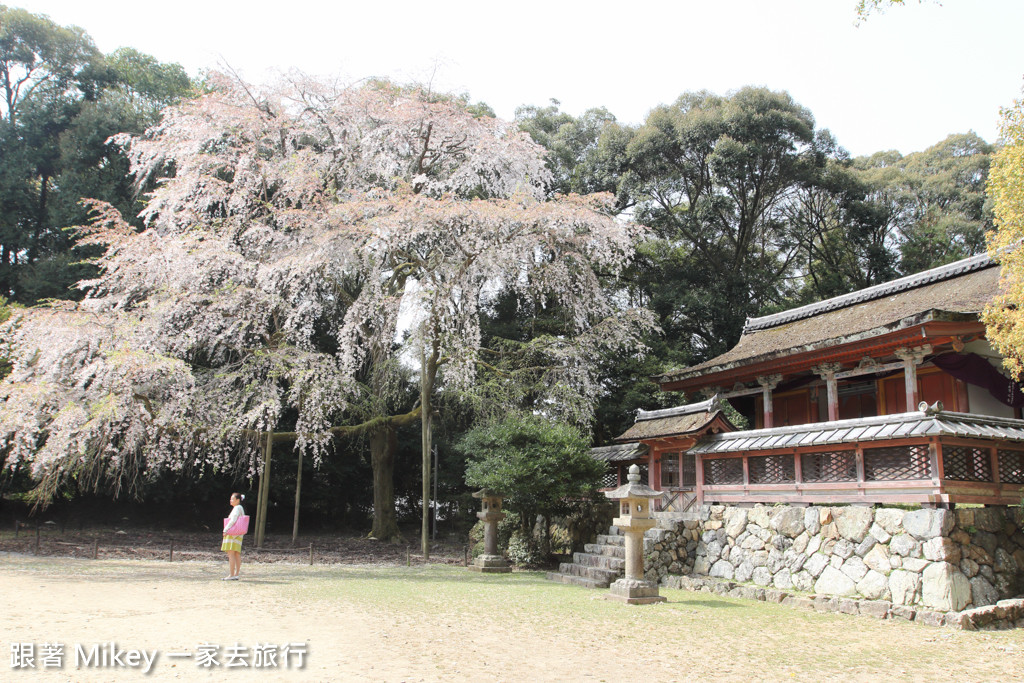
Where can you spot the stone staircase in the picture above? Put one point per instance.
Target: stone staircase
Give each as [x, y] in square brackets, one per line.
[603, 562]
[599, 564]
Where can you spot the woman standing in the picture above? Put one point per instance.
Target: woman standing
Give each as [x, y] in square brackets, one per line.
[232, 545]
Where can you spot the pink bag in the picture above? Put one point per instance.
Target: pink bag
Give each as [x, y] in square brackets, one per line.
[239, 528]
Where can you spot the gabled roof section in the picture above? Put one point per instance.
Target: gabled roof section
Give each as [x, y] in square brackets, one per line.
[619, 452]
[956, 292]
[692, 419]
[946, 272]
[925, 423]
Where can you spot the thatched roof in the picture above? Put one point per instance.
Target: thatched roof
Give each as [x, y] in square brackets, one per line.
[679, 421]
[619, 452]
[955, 292]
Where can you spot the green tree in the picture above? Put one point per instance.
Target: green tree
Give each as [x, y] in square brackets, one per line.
[541, 467]
[1004, 318]
[62, 100]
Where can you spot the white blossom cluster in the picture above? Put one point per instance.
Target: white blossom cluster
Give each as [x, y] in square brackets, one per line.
[287, 232]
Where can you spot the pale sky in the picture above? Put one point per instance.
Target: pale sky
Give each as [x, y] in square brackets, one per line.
[902, 80]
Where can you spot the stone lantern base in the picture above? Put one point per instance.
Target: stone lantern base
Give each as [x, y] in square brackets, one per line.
[634, 592]
[490, 564]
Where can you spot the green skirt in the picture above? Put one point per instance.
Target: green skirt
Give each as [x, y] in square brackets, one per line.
[232, 543]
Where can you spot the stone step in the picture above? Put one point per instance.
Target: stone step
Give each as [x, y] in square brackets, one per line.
[604, 561]
[596, 573]
[607, 550]
[577, 580]
[607, 539]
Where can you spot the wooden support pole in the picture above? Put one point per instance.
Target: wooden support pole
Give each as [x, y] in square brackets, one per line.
[768, 384]
[96, 549]
[310, 554]
[171, 557]
[37, 539]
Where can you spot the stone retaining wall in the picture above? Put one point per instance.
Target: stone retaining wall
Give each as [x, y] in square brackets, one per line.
[1005, 614]
[937, 560]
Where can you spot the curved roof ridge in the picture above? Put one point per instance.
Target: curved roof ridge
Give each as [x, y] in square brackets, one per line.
[950, 270]
[708, 406]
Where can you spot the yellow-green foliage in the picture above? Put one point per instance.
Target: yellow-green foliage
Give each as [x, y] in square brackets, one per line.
[1004, 318]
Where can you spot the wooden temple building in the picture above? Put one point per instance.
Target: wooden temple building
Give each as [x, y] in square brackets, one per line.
[890, 394]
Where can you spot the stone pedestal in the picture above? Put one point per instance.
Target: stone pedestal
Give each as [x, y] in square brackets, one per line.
[491, 562]
[634, 519]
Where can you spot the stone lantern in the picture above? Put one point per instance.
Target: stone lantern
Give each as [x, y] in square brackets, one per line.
[491, 562]
[635, 501]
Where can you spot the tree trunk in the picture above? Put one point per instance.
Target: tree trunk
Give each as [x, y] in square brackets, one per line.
[264, 494]
[428, 369]
[298, 498]
[383, 444]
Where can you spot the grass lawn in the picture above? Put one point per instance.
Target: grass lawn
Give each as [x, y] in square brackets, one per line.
[444, 623]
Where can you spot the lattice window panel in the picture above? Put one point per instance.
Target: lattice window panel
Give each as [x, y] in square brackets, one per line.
[829, 466]
[670, 470]
[723, 471]
[689, 474]
[1011, 467]
[896, 463]
[963, 463]
[771, 469]
[610, 480]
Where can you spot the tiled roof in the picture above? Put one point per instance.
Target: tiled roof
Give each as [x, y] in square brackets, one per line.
[899, 426]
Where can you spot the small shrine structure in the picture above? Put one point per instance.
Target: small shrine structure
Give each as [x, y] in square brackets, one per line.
[890, 394]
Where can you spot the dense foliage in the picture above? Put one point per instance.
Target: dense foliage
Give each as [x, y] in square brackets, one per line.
[542, 467]
[338, 267]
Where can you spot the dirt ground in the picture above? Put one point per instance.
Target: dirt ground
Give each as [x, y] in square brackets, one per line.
[147, 543]
[443, 623]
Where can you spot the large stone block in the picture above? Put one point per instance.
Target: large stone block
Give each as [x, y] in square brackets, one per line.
[758, 515]
[986, 540]
[941, 549]
[788, 521]
[890, 519]
[914, 564]
[761, 576]
[803, 581]
[878, 559]
[904, 545]
[873, 586]
[813, 545]
[1006, 585]
[744, 571]
[855, 568]
[903, 587]
[834, 582]
[982, 592]
[783, 579]
[816, 564]
[800, 542]
[812, 521]
[701, 566]
[722, 570]
[878, 532]
[944, 587]
[865, 546]
[713, 550]
[989, 519]
[853, 522]
[924, 524]
[1004, 562]
[735, 521]
[843, 548]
